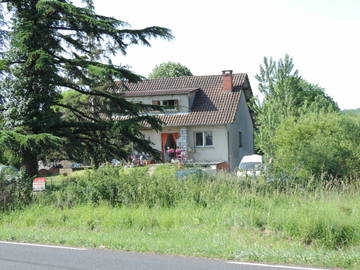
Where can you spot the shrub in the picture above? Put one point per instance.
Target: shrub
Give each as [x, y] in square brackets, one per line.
[318, 144]
[15, 191]
[135, 186]
[117, 187]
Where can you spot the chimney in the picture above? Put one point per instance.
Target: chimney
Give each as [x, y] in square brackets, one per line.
[227, 80]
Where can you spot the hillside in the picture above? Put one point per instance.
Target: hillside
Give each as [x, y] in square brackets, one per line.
[353, 111]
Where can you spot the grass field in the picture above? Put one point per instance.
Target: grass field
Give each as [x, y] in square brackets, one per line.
[221, 218]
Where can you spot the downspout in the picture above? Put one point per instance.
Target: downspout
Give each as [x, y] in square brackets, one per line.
[228, 146]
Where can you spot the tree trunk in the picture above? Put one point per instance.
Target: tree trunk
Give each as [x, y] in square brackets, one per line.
[95, 162]
[29, 163]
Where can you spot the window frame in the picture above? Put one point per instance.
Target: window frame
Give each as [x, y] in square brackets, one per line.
[203, 145]
[167, 107]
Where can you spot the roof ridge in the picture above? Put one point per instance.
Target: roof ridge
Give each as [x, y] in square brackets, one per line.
[182, 77]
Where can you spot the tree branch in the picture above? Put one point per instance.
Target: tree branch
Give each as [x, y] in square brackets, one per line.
[75, 110]
[64, 28]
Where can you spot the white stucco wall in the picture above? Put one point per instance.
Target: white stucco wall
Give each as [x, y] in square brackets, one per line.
[154, 137]
[243, 124]
[216, 153]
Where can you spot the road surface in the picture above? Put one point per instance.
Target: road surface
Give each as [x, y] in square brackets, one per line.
[21, 256]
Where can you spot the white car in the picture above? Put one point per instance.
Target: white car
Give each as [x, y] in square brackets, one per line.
[250, 165]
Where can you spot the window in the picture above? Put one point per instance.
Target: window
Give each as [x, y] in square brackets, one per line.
[170, 104]
[240, 139]
[203, 138]
[199, 139]
[208, 138]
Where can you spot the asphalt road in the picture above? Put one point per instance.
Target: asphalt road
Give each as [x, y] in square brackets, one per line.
[17, 256]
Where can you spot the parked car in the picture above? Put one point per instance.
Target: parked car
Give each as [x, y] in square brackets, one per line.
[251, 165]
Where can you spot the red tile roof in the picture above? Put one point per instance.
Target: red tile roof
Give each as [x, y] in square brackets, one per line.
[212, 105]
[159, 92]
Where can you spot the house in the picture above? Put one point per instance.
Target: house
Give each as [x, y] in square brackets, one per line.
[207, 118]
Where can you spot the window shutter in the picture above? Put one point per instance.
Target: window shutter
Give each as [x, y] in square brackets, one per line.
[156, 102]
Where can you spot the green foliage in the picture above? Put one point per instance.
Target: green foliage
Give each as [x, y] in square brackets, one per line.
[218, 232]
[18, 141]
[10, 158]
[100, 146]
[169, 69]
[224, 217]
[15, 190]
[317, 144]
[73, 99]
[285, 94]
[320, 217]
[57, 45]
[133, 187]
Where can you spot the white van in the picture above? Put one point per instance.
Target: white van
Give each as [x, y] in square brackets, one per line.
[250, 165]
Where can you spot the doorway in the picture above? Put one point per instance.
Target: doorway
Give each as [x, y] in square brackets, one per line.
[169, 146]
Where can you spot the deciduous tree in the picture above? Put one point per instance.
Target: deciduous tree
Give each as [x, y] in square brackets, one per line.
[169, 69]
[318, 144]
[285, 94]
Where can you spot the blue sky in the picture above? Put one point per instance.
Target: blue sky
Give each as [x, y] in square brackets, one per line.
[322, 36]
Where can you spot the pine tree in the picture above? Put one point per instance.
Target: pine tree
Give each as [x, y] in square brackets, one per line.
[56, 45]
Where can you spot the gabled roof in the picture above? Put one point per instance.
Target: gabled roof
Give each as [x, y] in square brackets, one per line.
[212, 105]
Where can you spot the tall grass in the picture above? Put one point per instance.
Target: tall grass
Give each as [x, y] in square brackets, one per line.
[326, 216]
[216, 214]
[133, 187]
